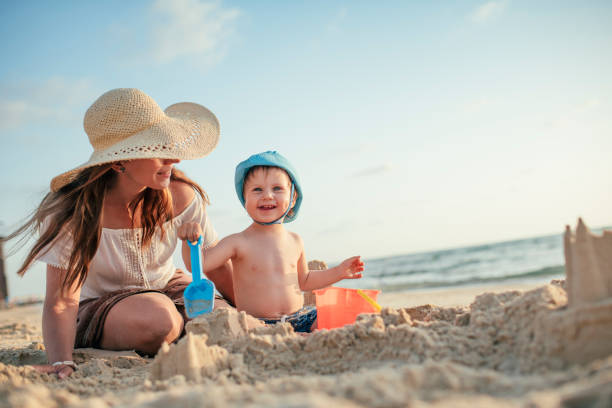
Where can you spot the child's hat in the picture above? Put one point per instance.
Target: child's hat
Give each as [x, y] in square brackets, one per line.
[127, 124]
[269, 159]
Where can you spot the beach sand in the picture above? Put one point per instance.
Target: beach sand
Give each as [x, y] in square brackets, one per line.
[486, 346]
[448, 297]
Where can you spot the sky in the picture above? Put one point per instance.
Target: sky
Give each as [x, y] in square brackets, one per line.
[414, 125]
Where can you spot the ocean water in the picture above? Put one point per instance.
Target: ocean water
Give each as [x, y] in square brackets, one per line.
[537, 259]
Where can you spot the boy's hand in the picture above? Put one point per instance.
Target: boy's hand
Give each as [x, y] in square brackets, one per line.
[352, 268]
[190, 230]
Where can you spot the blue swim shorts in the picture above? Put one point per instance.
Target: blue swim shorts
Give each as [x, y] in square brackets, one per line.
[301, 320]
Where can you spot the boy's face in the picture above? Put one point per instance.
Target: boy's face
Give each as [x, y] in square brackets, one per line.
[267, 194]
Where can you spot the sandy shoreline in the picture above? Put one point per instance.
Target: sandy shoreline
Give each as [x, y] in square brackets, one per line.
[459, 351]
[448, 297]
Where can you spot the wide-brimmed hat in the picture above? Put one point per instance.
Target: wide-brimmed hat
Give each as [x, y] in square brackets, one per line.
[127, 124]
[269, 159]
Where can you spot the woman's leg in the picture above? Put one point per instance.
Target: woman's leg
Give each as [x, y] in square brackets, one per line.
[142, 322]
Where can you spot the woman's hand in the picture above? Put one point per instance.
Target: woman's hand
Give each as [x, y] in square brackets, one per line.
[351, 268]
[63, 371]
[190, 231]
[59, 323]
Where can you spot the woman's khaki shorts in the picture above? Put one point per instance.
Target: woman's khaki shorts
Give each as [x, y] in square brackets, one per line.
[92, 312]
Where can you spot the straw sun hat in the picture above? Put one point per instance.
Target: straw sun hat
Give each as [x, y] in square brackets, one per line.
[127, 124]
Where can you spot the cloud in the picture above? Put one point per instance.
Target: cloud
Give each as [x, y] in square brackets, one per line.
[55, 101]
[351, 150]
[475, 106]
[335, 24]
[488, 11]
[576, 115]
[371, 171]
[335, 227]
[190, 28]
[588, 105]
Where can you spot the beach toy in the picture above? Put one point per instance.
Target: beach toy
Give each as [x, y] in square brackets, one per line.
[337, 307]
[200, 294]
[369, 300]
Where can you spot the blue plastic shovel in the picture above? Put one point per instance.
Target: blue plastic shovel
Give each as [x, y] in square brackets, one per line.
[200, 294]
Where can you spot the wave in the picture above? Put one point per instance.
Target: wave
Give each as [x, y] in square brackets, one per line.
[407, 270]
[538, 273]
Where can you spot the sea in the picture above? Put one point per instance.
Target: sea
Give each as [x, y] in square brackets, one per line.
[530, 260]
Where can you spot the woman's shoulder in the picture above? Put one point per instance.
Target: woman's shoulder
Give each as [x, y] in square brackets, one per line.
[182, 195]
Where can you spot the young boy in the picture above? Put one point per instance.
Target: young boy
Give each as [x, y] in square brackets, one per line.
[269, 264]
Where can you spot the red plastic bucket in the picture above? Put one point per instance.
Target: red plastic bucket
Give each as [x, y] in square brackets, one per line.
[337, 307]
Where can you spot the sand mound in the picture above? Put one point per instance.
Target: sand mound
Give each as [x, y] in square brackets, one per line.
[492, 352]
[511, 349]
[497, 332]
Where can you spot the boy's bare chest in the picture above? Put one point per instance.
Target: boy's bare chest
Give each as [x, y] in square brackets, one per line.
[271, 259]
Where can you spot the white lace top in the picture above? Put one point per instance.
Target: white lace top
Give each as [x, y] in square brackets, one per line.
[120, 262]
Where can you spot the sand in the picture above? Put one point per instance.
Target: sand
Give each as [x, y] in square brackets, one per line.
[491, 351]
[445, 297]
[508, 346]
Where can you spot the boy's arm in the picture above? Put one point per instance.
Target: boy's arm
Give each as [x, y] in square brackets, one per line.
[302, 266]
[350, 268]
[223, 279]
[218, 255]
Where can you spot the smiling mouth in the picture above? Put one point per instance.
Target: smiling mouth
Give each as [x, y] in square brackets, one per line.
[267, 207]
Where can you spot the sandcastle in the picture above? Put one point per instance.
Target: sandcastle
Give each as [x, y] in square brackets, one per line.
[191, 357]
[583, 329]
[588, 263]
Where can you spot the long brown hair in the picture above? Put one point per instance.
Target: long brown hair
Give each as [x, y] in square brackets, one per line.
[76, 209]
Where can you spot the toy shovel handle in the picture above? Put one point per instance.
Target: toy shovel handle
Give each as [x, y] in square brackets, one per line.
[196, 269]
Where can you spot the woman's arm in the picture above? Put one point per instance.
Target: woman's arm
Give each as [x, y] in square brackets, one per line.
[217, 265]
[222, 274]
[213, 257]
[216, 260]
[223, 280]
[59, 321]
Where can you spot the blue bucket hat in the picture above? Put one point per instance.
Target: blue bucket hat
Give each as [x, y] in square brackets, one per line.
[269, 159]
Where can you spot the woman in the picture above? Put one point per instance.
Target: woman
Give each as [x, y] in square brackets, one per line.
[109, 227]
